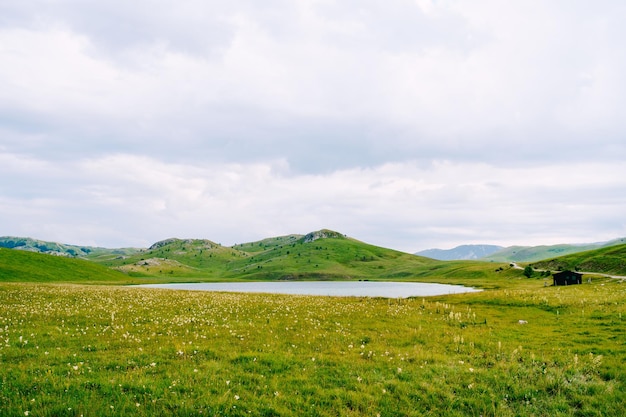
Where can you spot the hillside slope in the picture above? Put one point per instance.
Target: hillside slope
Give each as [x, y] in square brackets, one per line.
[60, 249]
[323, 254]
[608, 260]
[176, 257]
[320, 255]
[326, 254]
[539, 253]
[25, 266]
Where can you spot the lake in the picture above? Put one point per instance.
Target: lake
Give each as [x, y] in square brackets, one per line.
[326, 288]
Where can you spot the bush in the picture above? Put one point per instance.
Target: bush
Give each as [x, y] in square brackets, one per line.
[528, 271]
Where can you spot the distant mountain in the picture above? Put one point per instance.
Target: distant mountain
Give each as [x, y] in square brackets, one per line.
[538, 253]
[58, 249]
[463, 252]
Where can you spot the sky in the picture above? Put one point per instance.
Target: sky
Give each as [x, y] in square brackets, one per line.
[408, 124]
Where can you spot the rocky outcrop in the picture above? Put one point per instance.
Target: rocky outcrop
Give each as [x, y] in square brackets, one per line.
[198, 243]
[322, 234]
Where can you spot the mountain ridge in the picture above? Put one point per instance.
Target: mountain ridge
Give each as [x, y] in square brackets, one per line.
[462, 252]
[541, 252]
[320, 255]
[515, 253]
[323, 254]
[58, 249]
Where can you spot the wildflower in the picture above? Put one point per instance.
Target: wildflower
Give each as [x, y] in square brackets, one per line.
[237, 397]
[26, 412]
[153, 364]
[399, 370]
[227, 382]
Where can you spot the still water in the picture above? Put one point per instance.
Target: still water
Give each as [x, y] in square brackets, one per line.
[327, 288]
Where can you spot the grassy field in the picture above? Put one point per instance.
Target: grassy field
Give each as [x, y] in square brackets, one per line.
[75, 342]
[24, 266]
[72, 350]
[611, 260]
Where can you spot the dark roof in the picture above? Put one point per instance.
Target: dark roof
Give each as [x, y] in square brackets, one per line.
[568, 273]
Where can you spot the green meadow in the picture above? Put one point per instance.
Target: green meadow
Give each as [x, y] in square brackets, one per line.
[91, 350]
[76, 341]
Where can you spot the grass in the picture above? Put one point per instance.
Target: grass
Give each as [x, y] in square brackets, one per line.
[24, 266]
[100, 350]
[35, 245]
[539, 253]
[72, 347]
[610, 260]
[281, 258]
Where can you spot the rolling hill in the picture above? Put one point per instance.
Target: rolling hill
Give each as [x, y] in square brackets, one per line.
[538, 253]
[323, 254]
[60, 249]
[607, 260]
[25, 266]
[320, 255]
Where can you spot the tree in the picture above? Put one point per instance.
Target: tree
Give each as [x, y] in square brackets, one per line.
[528, 271]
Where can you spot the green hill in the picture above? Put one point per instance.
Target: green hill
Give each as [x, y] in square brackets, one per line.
[607, 260]
[539, 253]
[323, 254]
[25, 266]
[60, 249]
[176, 257]
[266, 244]
[320, 255]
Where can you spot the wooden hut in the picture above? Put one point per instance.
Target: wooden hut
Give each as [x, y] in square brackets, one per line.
[567, 278]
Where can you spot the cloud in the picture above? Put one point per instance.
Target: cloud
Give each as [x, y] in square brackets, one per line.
[402, 121]
[400, 205]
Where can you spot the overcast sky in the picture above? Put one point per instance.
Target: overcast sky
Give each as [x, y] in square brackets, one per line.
[409, 124]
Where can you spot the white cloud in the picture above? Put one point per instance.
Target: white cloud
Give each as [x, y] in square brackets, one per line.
[405, 205]
[403, 122]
